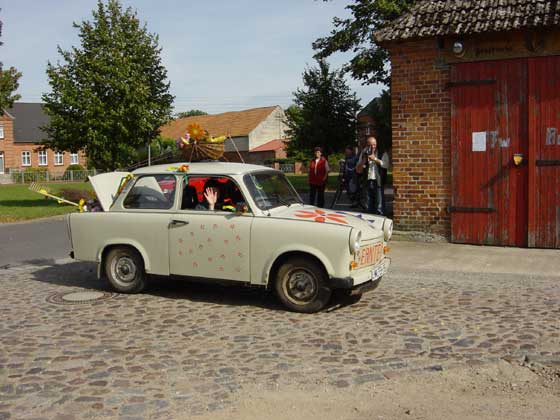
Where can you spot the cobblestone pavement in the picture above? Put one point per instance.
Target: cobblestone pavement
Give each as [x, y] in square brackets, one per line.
[183, 349]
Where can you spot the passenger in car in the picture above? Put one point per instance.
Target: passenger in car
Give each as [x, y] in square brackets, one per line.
[190, 198]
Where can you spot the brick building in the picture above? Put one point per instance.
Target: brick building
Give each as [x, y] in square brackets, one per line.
[476, 115]
[20, 140]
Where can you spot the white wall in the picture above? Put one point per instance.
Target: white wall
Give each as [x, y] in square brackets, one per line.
[272, 128]
[242, 144]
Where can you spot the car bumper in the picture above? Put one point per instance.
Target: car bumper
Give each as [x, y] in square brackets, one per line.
[364, 280]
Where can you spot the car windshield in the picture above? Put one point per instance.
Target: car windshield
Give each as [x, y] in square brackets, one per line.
[271, 189]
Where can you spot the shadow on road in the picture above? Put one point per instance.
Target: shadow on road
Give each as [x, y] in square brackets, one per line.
[84, 275]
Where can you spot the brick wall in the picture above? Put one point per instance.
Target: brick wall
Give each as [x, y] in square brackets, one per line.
[421, 137]
[12, 151]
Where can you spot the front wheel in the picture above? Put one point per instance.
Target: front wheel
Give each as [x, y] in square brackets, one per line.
[301, 285]
[124, 268]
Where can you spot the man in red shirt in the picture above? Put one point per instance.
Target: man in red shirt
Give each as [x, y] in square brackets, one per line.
[318, 175]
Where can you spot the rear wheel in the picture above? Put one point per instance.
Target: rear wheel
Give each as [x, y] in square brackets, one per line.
[124, 268]
[301, 285]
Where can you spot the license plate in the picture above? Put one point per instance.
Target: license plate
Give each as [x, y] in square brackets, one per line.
[369, 255]
[378, 271]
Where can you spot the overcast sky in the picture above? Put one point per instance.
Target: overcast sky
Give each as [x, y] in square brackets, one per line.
[220, 55]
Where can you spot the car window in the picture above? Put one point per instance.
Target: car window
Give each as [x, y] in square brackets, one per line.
[152, 192]
[271, 189]
[229, 196]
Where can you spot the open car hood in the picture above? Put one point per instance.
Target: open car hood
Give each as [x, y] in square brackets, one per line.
[106, 186]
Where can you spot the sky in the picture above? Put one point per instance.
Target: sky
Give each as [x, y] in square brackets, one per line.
[220, 55]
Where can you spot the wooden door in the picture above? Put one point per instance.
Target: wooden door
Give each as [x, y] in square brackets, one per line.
[544, 159]
[488, 126]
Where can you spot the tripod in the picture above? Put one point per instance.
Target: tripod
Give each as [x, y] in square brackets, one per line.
[359, 197]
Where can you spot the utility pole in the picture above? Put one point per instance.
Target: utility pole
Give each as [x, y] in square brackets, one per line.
[149, 155]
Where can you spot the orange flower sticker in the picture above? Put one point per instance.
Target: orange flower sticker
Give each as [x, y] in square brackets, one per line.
[321, 216]
[196, 131]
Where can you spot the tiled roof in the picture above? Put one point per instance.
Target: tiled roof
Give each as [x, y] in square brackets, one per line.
[234, 124]
[460, 17]
[28, 120]
[271, 145]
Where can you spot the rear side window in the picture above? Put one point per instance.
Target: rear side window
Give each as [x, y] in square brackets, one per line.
[155, 192]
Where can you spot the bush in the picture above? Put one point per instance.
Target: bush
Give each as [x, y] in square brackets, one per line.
[74, 167]
[333, 161]
[31, 175]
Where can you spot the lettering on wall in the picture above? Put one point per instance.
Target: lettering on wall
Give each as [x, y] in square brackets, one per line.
[494, 139]
[551, 138]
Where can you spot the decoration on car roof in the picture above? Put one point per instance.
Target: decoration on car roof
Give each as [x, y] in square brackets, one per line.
[321, 216]
[198, 144]
[182, 168]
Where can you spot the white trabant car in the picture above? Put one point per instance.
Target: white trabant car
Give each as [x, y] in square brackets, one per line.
[158, 221]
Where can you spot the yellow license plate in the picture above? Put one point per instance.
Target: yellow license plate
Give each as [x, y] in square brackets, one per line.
[369, 255]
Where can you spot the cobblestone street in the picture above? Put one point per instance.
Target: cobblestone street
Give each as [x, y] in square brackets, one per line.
[183, 349]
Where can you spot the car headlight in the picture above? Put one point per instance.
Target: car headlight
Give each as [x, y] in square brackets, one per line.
[355, 238]
[387, 229]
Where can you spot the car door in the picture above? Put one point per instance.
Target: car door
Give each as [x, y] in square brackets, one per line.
[209, 244]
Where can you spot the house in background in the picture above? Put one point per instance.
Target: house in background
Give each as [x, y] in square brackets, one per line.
[365, 126]
[257, 134]
[21, 137]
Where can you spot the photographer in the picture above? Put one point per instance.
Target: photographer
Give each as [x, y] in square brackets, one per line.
[374, 163]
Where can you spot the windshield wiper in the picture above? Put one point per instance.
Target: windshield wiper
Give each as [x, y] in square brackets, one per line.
[282, 200]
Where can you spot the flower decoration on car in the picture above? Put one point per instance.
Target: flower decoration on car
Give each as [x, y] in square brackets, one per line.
[196, 132]
[321, 216]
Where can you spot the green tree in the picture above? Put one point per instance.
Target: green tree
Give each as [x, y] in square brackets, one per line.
[190, 113]
[110, 95]
[355, 34]
[8, 84]
[324, 113]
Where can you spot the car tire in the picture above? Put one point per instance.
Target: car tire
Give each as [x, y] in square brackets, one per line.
[301, 285]
[124, 268]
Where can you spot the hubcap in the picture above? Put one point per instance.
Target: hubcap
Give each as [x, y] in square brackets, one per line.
[301, 286]
[124, 269]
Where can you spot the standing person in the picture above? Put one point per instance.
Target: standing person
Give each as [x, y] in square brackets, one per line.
[350, 175]
[318, 175]
[375, 162]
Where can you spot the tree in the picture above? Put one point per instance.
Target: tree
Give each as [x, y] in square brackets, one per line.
[110, 95]
[190, 113]
[369, 64]
[8, 84]
[324, 113]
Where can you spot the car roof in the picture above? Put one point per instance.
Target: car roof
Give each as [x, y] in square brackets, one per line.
[203, 168]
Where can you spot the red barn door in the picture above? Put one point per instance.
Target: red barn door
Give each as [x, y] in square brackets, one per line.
[544, 163]
[488, 126]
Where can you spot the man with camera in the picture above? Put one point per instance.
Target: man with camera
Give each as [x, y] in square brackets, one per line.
[373, 162]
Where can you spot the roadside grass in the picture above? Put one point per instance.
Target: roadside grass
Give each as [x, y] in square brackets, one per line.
[301, 185]
[17, 203]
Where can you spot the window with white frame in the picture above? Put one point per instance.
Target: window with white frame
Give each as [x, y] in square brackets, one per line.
[25, 158]
[58, 158]
[74, 160]
[43, 158]
[1, 131]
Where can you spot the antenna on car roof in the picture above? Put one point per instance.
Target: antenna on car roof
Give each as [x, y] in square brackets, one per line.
[236, 149]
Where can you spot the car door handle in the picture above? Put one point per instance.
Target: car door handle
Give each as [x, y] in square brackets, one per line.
[177, 223]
